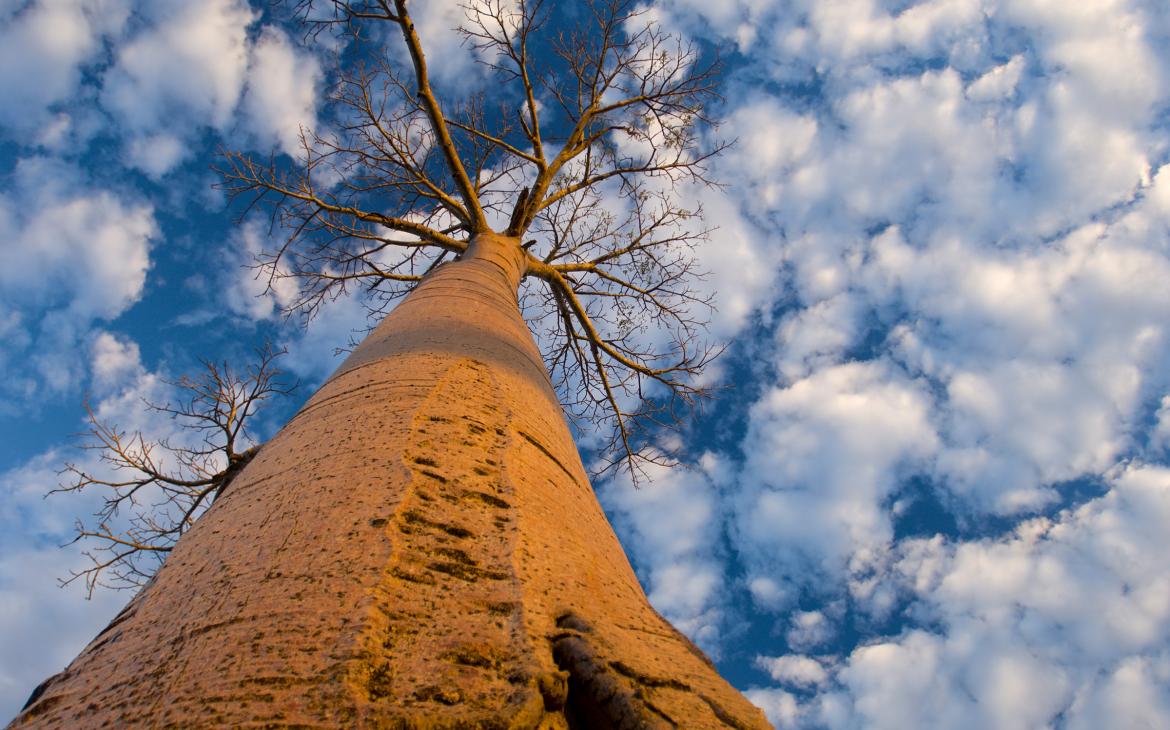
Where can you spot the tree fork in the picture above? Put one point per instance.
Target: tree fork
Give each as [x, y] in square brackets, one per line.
[418, 547]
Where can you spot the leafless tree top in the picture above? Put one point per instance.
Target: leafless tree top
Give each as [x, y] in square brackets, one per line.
[579, 152]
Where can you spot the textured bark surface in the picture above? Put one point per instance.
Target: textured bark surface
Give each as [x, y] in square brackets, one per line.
[418, 548]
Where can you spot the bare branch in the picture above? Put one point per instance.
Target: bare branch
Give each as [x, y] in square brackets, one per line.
[153, 491]
[587, 141]
[438, 123]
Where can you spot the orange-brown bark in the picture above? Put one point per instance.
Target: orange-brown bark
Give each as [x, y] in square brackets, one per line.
[418, 548]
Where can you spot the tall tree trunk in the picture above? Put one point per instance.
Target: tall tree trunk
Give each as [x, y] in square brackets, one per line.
[418, 547]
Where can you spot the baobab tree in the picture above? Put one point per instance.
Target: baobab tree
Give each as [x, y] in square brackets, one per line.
[420, 545]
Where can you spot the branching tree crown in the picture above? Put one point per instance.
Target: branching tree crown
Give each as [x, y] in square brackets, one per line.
[592, 132]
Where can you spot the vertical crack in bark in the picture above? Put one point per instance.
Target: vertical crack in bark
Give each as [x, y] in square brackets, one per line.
[453, 643]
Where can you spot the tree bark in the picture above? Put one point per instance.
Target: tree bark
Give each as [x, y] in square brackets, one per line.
[419, 547]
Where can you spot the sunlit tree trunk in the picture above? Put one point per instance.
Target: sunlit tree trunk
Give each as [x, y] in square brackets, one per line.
[418, 547]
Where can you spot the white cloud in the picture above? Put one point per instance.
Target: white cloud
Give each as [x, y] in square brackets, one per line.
[1161, 435]
[73, 255]
[1104, 48]
[911, 669]
[772, 143]
[967, 199]
[823, 455]
[1068, 616]
[156, 154]
[65, 242]
[740, 260]
[177, 70]
[115, 360]
[449, 60]
[998, 83]
[246, 289]
[1130, 697]
[768, 594]
[188, 66]
[672, 524]
[1037, 321]
[850, 29]
[781, 707]
[809, 630]
[795, 669]
[24, 511]
[282, 90]
[1045, 353]
[817, 336]
[195, 66]
[959, 684]
[42, 47]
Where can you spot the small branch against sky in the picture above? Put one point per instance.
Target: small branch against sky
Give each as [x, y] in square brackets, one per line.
[583, 150]
[151, 492]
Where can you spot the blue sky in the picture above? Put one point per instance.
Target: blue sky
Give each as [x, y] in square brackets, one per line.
[937, 488]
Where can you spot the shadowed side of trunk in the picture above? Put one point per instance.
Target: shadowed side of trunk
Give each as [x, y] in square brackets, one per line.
[418, 547]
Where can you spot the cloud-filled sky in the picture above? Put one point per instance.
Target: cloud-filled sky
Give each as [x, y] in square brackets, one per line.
[936, 491]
